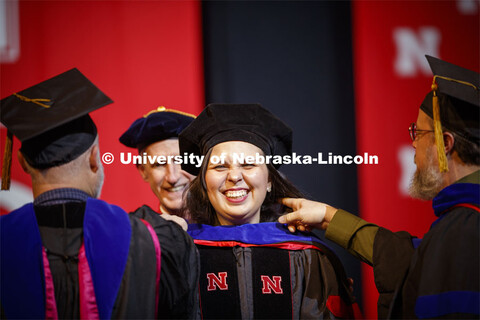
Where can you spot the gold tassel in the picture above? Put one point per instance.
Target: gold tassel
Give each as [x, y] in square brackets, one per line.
[7, 161]
[36, 101]
[442, 158]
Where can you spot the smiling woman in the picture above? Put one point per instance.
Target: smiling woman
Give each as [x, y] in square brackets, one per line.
[236, 190]
[247, 260]
[236, 193]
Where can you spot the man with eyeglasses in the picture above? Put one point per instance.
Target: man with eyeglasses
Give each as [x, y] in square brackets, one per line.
[437, 276]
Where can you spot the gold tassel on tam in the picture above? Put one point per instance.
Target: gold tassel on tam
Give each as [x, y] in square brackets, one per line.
[7, 161]
[442, 158]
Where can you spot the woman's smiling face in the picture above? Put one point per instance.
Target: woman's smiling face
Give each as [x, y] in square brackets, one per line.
[235, 190]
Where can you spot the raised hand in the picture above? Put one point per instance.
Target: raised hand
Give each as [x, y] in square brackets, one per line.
[306, 214]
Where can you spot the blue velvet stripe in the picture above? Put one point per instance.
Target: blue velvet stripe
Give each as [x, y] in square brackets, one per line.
[258, 233]
[455, 194]
[107, 234]
[22, 287]
[432, 306]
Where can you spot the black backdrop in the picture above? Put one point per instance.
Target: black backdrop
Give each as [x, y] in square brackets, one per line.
[295, 58]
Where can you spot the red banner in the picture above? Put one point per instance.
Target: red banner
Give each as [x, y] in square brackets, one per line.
[142, 54]
[391, 79]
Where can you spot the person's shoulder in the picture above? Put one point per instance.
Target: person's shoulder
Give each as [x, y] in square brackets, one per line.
[466, 209]
[458, 220]
[98, 204]
[457, 232]
[462, 216]
[143, 212]
[18, 210]
[166, 230]
[151, 216]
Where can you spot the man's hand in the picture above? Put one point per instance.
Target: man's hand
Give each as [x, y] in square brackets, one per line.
[180, 221]
[306, 214]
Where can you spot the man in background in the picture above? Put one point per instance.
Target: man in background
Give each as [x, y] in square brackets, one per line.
[156, 135]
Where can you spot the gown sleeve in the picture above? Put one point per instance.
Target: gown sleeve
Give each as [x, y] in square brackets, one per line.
[392, 254]
[179, 267]
[388, 252]
[353, 234]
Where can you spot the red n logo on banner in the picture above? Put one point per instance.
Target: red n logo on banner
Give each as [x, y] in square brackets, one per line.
[269, 284]
[214, 281]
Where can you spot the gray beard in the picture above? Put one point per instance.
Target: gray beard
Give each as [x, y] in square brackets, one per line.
[426, 183]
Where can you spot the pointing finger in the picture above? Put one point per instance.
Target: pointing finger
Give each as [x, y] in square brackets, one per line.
[290, 217]
[291, 202]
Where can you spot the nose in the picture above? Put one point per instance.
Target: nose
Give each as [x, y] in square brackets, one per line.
[235, 175]
[173, 173]
[414, 144]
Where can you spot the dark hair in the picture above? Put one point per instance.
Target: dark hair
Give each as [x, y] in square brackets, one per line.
[468, 151]
[202, 211]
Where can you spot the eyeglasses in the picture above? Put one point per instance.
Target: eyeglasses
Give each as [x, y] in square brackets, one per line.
[414, 131]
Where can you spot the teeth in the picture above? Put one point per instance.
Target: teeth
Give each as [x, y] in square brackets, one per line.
[236, 193]
[175, 189]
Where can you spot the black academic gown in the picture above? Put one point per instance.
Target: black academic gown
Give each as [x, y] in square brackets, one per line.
[62, 233]
[262, 271]
[437, 276]
[181, 260]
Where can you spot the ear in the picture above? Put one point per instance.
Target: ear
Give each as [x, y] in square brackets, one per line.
[25, 166]
[449, 142]
[141, 169]
[94, 158]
